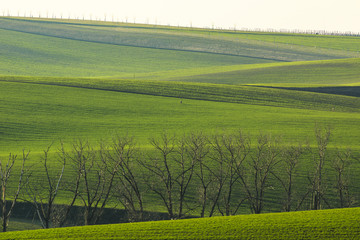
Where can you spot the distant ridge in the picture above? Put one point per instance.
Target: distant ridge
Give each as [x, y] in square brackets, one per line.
[215, 28]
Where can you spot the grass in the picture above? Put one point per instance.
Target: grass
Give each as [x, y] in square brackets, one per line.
[344, 71]
[33, 115]
[253, 95]
[87, 50]
[18, 224]
[66, 79]
[80, 59]
[350, 43]
[321, 224]
[343, 44]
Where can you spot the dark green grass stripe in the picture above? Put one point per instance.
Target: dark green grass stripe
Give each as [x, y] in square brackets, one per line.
[353, 91]
[210, 92]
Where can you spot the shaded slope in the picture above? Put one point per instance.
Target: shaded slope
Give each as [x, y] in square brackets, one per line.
[343, 71]
[353, 91]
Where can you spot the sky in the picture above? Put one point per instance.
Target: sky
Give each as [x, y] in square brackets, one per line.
[329, 15]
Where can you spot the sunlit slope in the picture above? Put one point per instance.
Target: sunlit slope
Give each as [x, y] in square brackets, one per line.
[85, 49]
[321, 224]
[342, 43]
[35, 55]
[345, 45]
[39, 55]
[41, 59]
[341, 71]
[34, 115]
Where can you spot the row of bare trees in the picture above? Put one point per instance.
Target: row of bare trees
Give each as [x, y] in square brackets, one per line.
[195, 174]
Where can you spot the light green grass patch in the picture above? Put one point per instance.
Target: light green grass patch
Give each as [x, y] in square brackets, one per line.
[321, 224]
[47, 56]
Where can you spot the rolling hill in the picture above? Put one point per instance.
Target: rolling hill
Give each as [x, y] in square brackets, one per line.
[325, 224]
[70, 79]
[122, 50]
[131, 59]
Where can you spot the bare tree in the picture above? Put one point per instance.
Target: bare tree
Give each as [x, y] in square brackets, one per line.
[106, 174]
[5, 174]
[198, 151]
[192, 150]
[186, 160]
[230, 152]
[73, 186]
[123, 158]
[174, 169]
[43, 193]
[218, 174]
[290, 160]
[161, 177]
[205, 187]
[263, 162]
[96, 182]
[93, 181]
[341, 164]
[316, 181]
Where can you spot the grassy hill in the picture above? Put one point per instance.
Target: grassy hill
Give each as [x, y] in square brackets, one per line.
[81, 58]
[34, 115]
[322, 224]
[329, 72]
[67, 79]
[122, 50]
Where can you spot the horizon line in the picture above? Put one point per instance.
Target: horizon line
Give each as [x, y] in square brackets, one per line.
[213, 27]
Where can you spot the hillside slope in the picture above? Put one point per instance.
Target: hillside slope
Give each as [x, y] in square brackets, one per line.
[87, 49]
[340, 71]
[33, 115]
[37, 55]
[321, 224]
[248, 94]
[116, 62]
[69, 79]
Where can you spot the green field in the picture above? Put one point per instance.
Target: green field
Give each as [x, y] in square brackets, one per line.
[68, 79]
[324, 224]
[344, 71]
[51, 113]
[59, 52]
